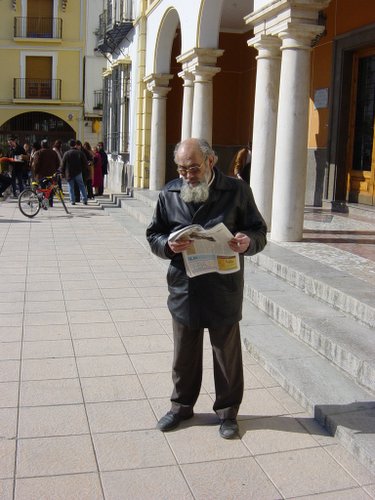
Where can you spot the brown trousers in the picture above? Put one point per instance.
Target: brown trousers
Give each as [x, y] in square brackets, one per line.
[187, 368]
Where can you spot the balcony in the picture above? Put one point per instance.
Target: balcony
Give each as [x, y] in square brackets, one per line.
[37, 88]
[38, 27]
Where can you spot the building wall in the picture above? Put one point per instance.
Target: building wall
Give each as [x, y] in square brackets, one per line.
[342, 17]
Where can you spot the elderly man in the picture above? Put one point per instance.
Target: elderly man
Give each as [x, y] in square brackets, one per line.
[203, 195]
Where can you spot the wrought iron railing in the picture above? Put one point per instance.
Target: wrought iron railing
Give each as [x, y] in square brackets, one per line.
[36, 88]
[98, 99]
[37, 27]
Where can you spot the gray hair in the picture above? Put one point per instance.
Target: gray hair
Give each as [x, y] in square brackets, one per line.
[204, 147]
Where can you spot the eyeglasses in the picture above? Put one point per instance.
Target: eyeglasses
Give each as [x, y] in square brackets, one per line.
[193, 169]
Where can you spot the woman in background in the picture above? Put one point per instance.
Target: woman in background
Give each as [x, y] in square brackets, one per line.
[241, 164]
[97, 181]
[87, 150]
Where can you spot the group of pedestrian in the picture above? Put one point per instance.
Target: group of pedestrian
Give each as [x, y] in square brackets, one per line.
[83, 167]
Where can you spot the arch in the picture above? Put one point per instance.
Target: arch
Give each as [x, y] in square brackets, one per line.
[209, 24]
[164, 41]
[36, 125]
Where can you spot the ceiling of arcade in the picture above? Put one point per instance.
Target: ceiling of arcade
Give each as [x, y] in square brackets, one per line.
[233, 15]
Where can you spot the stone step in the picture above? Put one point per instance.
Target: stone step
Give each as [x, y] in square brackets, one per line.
[342, 291]
[337, 336]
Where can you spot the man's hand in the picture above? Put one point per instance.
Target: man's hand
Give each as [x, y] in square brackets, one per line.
[180, 245]
[239, 243]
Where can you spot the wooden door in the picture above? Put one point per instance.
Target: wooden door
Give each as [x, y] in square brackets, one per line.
[39, 18]
[38, 77]
[361, 144]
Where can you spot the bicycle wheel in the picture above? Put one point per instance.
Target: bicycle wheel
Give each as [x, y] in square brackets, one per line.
[29, 203]
[60, 196]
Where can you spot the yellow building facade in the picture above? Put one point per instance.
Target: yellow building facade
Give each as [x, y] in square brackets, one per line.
[42, 47]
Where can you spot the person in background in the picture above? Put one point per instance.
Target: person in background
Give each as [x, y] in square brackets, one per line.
[57, 147]
[90, 175]
[16, 152]
[5, 180]
[97, 181]
[27, 169]
[241, 164]
[204, 195]
[45, 163]
[104, 162]
[73, 164]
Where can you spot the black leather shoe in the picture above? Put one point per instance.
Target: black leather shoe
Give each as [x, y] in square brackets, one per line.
[228, 428]
[171, 421]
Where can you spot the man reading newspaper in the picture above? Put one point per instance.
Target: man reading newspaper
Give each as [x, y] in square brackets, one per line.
[203, 195]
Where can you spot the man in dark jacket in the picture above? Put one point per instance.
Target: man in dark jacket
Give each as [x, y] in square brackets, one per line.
[45, 163]
[104, 158]
[74, 162]
[203, 195]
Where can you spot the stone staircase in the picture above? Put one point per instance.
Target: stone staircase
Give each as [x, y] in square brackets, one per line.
[311, 325]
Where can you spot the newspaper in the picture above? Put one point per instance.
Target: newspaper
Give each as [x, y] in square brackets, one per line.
[209, 251]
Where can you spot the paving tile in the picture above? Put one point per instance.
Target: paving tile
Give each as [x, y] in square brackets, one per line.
[160, 482]
[6, 489]
[50, 392]
[9, 370]
[13, 319]
[71, 295]
[153, 362]
[12, 307]
[195, 442]
[7, 458]
[54, 456]
[274, 434]
[117, 388]
[286, 400]
[10, 350]
[101, 366]
[132, 450]
[260, 373]
[120, 293]
[242, 477]
[44, 296]
[320, 472]
[8, 394]
[35, 286]
[10, 333]
[117, 304]
[47, 349]
[259, 403]
[148, 343]
[349, 494]
[78, 486]
[119, 416]
[350, 464]
[48, 368]
[46, 318]
[140, 327]
[60, 420]
[46, 332]
[100, 346]
[8, 423]
[85, 305]
[89, 317]
[157, 385]
[131, 314]
[93, 330]
[41, 307]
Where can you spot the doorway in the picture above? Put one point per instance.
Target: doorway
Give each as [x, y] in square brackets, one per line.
[361, 143]
[39, 18]
[38, 77]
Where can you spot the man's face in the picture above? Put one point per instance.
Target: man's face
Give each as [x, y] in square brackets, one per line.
[11, 143]
[192, 165]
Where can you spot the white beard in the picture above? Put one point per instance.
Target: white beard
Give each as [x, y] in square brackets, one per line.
[194, 194]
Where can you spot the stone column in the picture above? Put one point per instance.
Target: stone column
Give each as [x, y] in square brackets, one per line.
[201, 63]
[158, 85]
[187, 103]
[292, 129]
[265, 120]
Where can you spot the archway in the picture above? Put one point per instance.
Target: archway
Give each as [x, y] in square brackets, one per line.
[35, 126]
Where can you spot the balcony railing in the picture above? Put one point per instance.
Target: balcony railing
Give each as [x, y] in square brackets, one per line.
[37, 27]
[36, 88]
[98, 99]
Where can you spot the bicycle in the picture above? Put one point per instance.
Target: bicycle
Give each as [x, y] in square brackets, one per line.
[38, 196]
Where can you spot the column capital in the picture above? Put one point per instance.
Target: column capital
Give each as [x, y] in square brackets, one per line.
[204, 73]
[197, 56]
[157, 83]
[299, 36]
[268, 46]
[187, 76]
[277, 17]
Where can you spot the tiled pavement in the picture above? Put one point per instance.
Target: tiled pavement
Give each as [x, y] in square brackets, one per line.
[85, 366]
